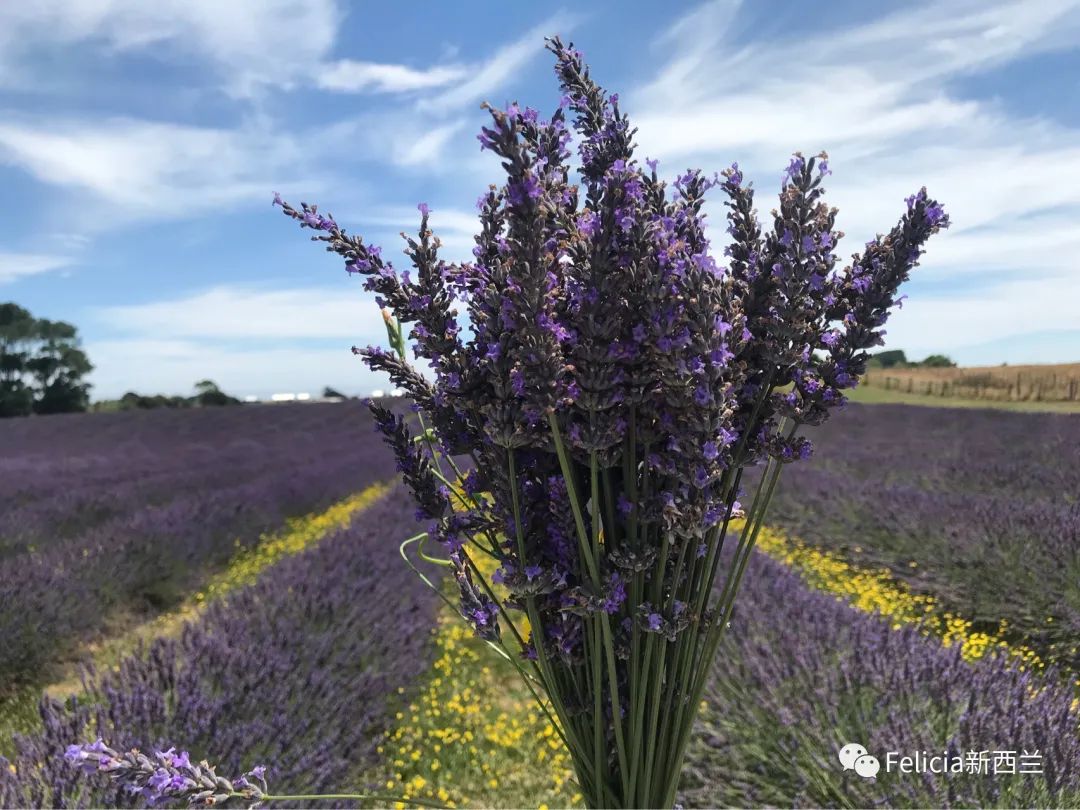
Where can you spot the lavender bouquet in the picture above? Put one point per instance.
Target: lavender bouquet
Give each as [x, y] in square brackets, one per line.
[587, 437]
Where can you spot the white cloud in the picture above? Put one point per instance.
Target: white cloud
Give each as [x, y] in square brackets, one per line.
[173, 366]
[427, 148]
[350, 76]
[501, 68]
[144, 169]
[251, 44]
[14, 266]
[1009, 309]
[249, 341]
[344, 312]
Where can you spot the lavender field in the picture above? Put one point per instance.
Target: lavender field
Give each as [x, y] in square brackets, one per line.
[111, 519]
[980, 508]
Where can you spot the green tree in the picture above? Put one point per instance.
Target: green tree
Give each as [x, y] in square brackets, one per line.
[58, 367]
[16, 338]
[893, 357]
[41, 365]
[938, 361]
[208, 393]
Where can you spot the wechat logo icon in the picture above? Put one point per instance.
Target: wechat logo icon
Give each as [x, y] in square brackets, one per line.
[855, 758]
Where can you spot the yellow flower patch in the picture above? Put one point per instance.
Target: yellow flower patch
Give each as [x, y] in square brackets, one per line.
[474, 736]
[875, 591]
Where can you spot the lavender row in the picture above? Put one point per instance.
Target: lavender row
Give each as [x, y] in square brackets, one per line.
[301, 683]
[64, 472]
[802, 675]
[38, 523]
[148, 557]
[980, 508]
[86, 435]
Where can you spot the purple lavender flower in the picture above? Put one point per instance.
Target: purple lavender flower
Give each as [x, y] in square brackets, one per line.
[166, 777]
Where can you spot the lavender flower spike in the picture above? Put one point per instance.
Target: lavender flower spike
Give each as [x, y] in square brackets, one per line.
[167, 776]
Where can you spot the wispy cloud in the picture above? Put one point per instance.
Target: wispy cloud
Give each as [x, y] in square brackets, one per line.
[233, 312]
[147, 170]
[428, 132]
[495, 72]
[349, 76]
[248, 44]
[19, 265]
[428, 147]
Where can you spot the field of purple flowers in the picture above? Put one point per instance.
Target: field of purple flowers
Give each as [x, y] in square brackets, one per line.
[980, 508]
[307, 683]
[805, 674]
[109, 518]
[301, 682]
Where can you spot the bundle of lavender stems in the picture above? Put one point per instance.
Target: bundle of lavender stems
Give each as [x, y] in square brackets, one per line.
[588, 419]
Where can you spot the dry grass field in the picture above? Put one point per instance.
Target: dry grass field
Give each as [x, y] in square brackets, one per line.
[1036, 383]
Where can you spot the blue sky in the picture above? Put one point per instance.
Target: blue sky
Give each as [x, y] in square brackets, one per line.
[140, 143]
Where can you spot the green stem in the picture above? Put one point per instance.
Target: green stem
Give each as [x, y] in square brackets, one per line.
[381, 797]
[653, 680]
[599, 760]
[715, 633]
[670, 690]
[616, 706]
[635, 683]
[654, 713]
[575, 503]
[548, 674]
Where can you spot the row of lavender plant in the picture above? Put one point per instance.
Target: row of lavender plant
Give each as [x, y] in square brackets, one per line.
[805, 674]
[86, 468]
[302, 683]
[980, 508]
[148, 557]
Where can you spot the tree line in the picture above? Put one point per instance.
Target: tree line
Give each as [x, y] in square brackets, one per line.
[895, 358]
[207, 394]
[43, 370]
[43, 366]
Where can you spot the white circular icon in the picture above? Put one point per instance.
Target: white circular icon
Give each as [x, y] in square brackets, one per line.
[849, 753]
[867, 766]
